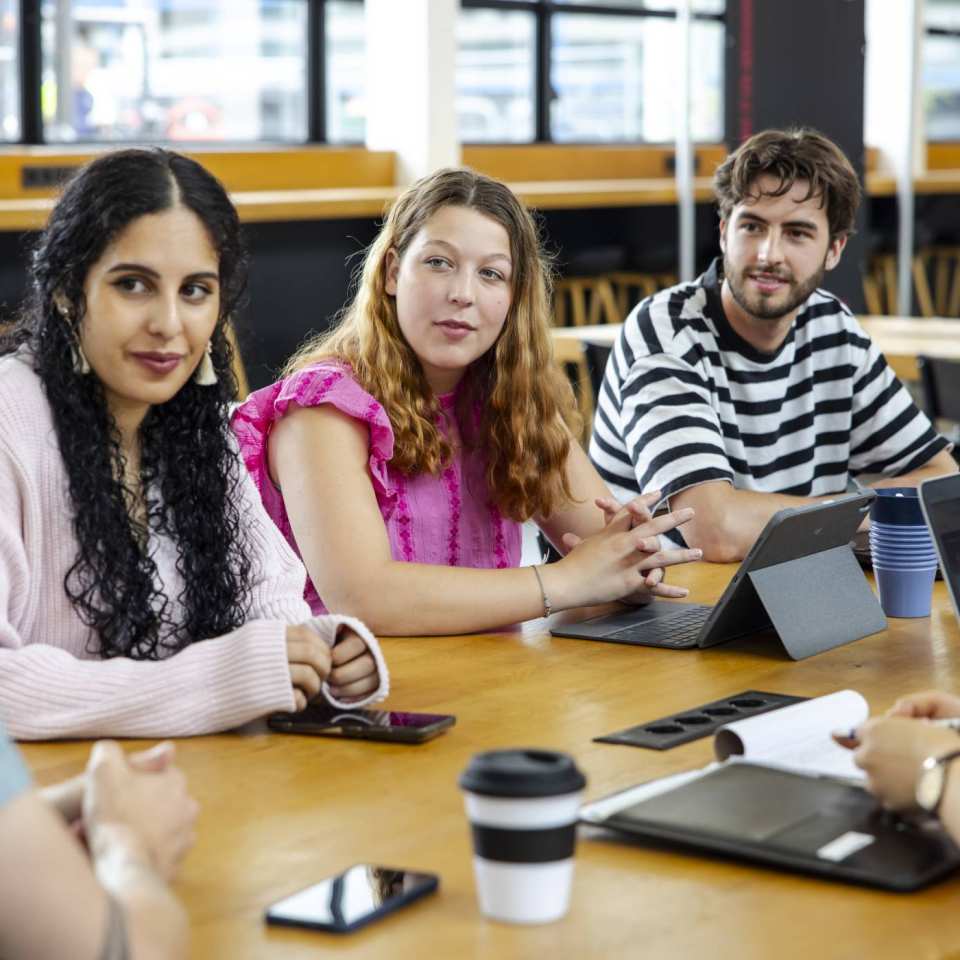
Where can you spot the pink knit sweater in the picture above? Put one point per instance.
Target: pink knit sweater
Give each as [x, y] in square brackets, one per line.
[50, 685]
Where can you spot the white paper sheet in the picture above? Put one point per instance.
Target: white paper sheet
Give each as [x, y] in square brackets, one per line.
[798, 737]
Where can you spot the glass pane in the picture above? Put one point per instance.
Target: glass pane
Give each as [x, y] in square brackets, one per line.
[696, 6]
[9, 70]
[193, 70]
[944, 14]
[613, 79]
[495, 76]
[345, 72]
[941, 87]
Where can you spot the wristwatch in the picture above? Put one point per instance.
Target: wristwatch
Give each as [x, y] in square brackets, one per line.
[932, 782]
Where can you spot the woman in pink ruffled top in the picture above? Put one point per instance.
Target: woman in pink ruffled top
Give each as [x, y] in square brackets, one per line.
[401, 452]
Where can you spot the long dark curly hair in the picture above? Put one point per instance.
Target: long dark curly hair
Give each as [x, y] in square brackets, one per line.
[190, 470]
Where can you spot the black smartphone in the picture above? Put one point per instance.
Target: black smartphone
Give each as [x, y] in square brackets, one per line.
[327, 721]
[352, 899]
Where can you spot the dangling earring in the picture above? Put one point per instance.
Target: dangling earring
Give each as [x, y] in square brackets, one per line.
[81, 365]
[205, 375]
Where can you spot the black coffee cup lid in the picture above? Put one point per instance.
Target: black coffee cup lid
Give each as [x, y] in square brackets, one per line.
[522, 773]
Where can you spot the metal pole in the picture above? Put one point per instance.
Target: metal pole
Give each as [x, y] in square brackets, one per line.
[905, 168]
[686, 206]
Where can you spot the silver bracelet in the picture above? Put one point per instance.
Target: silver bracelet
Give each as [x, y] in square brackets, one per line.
[116, 946]
[547, 605]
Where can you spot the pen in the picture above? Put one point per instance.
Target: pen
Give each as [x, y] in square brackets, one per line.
[952, 723]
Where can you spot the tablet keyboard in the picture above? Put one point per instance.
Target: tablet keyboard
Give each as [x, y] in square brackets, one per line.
[679, 629]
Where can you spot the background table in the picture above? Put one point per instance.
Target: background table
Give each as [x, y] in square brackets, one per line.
[900, 339]
[281, 812]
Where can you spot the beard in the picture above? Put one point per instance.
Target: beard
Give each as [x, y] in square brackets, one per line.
[764, 307]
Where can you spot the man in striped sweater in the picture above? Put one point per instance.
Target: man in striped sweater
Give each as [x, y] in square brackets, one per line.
[751, 389]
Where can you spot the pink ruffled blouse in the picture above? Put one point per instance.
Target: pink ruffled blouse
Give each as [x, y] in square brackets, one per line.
[445, 519]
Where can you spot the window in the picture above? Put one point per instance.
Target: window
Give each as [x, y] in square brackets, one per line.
[195, 70]
[941, 69]
[9, 74]
[496, 91]
[345, 67]
[580, 71]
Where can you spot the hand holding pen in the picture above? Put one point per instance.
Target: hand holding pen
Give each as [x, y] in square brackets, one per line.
[892, 749]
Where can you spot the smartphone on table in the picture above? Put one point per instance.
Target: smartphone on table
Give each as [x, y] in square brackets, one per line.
[352, 899]
[328, 721]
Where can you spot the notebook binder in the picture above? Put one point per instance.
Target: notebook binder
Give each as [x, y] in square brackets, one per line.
[815, 825]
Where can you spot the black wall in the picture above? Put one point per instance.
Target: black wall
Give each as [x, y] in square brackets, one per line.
[801, 62]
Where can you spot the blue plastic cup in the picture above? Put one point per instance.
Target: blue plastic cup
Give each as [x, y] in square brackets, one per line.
[897, 505]
[893, 550]
[902, 531]
[898, 540]
[901, 563]
[893, 543]
[905, 592]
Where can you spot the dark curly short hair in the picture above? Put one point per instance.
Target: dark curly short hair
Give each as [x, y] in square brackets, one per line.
[799, 154]
[190, 470]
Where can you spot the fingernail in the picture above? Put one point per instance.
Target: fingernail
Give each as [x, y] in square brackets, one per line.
[696, 553]
[685, 512]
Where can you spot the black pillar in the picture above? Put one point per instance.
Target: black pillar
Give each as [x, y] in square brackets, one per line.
[801, 63]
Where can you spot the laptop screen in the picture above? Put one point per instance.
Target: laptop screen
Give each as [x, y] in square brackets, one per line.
[941, 502]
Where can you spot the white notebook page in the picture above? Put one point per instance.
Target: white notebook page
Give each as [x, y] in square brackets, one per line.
[798, 737]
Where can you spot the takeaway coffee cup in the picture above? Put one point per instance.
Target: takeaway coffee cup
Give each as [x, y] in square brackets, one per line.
[523, 806]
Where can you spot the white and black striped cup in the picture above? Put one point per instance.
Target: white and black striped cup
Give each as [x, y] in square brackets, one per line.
[523, 807]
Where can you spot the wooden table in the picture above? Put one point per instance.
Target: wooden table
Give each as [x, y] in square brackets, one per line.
[282, 812]
[900, 339]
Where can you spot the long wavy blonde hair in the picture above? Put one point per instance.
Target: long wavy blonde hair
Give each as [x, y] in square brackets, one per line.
[528, 414]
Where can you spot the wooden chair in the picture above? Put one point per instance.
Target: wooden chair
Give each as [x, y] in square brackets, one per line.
[578, 301]
[570, 353]
[880, 285]
[943, 264]
[631, 286]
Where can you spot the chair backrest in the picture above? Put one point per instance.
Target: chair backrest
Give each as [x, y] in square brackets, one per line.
[571, 355]
[579, 301]
[941, 387]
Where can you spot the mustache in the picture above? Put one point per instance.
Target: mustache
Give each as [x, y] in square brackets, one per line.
[784, 276]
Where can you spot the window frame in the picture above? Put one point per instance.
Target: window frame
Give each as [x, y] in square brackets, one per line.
[30, 51]
[544, 11]
[950, 33]
[30, 68]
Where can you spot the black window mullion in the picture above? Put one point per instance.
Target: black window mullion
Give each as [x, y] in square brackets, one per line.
[544, 78]
[316, 71]
[31, 68]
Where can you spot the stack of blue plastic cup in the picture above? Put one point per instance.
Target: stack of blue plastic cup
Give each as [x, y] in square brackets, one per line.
[902, 551]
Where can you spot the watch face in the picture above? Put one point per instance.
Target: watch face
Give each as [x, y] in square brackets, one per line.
[930, 785]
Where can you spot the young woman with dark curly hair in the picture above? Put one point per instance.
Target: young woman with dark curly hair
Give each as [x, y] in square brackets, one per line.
[411, 441]
[129, 530]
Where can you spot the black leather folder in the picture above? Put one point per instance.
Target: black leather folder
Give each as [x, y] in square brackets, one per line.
[777, 818]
